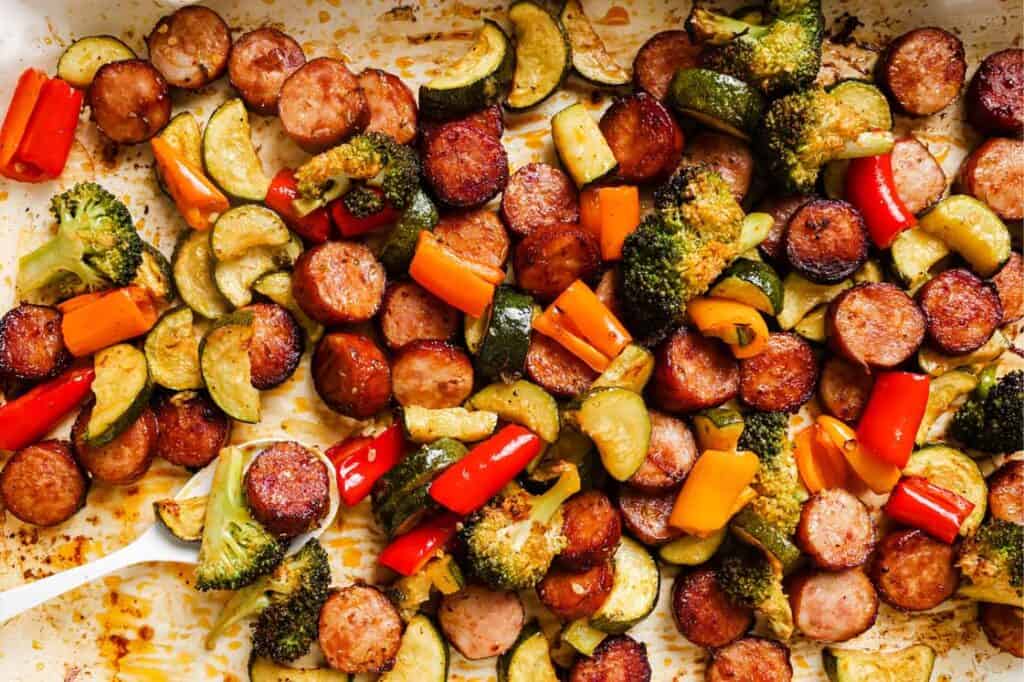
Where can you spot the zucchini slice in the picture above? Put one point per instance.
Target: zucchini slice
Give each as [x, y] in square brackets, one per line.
[445, 574]
[424, 425]
[590, 58]
[229, 155]
[800, 296]
[155, 275]
[400, 244]
[913, 664]
[122, 387]
[631, 369]
[812, 327]
[402, 496]
[245, 227]
[942, 392]
[234, 278]
[182, 133]
[691, 550]
[183, 518]
[172, 351]
[543, 55]
[480, 78]
[866, 100]
[620, 426]
[581, 146]
[914, 253]
[84, 57]
[502, 352]
[973, 230]
[754, 230]
[718, 428]
[955, 471]
[422, 656]
[717, 100]
[529, 659]
[937, 364]
[833, 178]
[473, 330]
[266, 670]
[583, 637]
[748, 526]
[752, 282]
[277, 286]
[192, 267]
[521, 403]
[224, 362]
[634, 590]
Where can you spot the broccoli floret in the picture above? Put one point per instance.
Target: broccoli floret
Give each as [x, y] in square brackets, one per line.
[766, 434]
[780, 493]
[993, 421]
[511, 542]
[96, 245]
[361, 201]
[235, 549]
[803, 131]
[375, 158]
[287, 604]
[992, 563]
[751, 579]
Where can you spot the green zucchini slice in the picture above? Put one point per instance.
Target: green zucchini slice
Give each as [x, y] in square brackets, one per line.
[400, 245]
[229, 155]
[937, 364]
[473, 330]
[752, 282]
[245, 227]
[583, 637]
[942, 392]
[122, 387]
[422, 656]
[192, 266]
[717, 100]
[833, 178]
[234, 278]
[913, 664]
[620, 426]
[521, 403]
[718, 428]
[183, 518]
[973, 230]
[224, 362]
[866, 100]
[480, 78]
[914, 253]
[581, 146]
[748, 526]
[403, 495]
[182, 133]
[277, 286]
[691, 550]
[529, 659]
[800, 296]
[424, 425]
[631, 369]
[754, 230]
[543, 55]
[634, 592]
[590, 58]
[155, 275]
[84, 57]
[812, 327]
[955, 471]
[266, 670]
[502, 352]
[172, 350]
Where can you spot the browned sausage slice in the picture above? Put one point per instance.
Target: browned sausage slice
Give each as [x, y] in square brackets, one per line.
[1009, 283]
[592, 527]
[123, 460]
[646, 515]
[338, 283]
[914, 572]
[287, 489]
[694, 372]
[489, 120]
[751, 659]
[782, 377]
[726, 154]
[607, 291]
[481, 623]
[555, 369]
[670, 455]
[31, 343]
[994, 104]
[191, 429]
[359, 630]
[704, 613]
[644, 137]
[660, 57]
[261, 61]
[832, 606]
[920, 180]
[392, 105]
[1004, 627]
[130, 101]
[43, 484]
[351, 374]
[321, 104]
[994, 173]
[411, 313]
[576, 594]
[826, 240]
[617, 659]
[835, 529]
[781, 209]
[190, 47]
[875, 324]
[431, 374]
[924, 70]
[844, 388]
[961, 311]
[538, 195]
[463, 165]
[276, 345]
[1006, 492]
[476, 235]
[553, 257]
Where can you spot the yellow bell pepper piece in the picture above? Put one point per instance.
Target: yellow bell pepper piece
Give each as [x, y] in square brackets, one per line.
[737, 324]
[878, 475]
[821, 464]
[712, 492]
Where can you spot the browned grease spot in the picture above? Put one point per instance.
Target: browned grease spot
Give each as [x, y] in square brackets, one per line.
[433, 36]
[615, 16]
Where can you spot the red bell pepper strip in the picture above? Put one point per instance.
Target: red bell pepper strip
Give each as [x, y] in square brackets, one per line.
[314, 227]
[23, 102]
[361, 465]
[467, 485]
[51, 128]
[350, 225]
[918, 502]
[894, 411]
[408, 553]
[28, 418]
[870, 187]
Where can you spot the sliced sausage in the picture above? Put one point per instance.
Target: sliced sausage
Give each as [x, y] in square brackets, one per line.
[123, 460]
[553, 257]
[832, 606]
[31, 343]
[670, 455]
[726, 154]
[359, 630]
[875, 325]
[619, 658]
[1004, 627]
[276, 345]
[191, 429]
[693, 372]
[923, 70]
[994, 104]
[644, 137]
[130, 101]
[287, 489]
[703, 612]
[43, 484]
[392, 105]
[960, 310]
[576, 594]
[913, 571]
[781, 209]
[994, 173]
[660, 57]
[1009, 283]
[782, 377]
[592, 527]
[751, 659]
[607, 291]
[351, 374]
[481, 623]
[261, 61]
[538, 195]
[835, 529]
[1006, 492]
[826, 240]
[321, 104]
[646, 516]
[190, 47]
[464, 165]
[490, 120]
[411, 313]
[338, 283]
[555, 369]
[844, 388]
[476, 235]
[920, 180]
[431, 374]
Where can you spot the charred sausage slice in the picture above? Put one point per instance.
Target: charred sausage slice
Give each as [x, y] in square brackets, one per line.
[31, 343]
[670, 455]
[1004, 627]
[321, 104]
[826, 240]
[129, 100]
[190, 47]
[191, 429]
[835, 529]
[751, 659]
[660, 57]
[481, 623]
[832, 606]
[704, 613]
[994, 173]
[592, 528]
[43, 484]
[392, 105]
[555, 369]
[538, 195]
[431, 374]
[261, 61]
[782, 377]
[338, 283]
[844, 388]
[781, 209]
[920, 180]
[875, 325]
[693, 372]
[576, 594]
[411, 313]
[1006, 492]
[489, 120]
[476, 235]
[276, 345]
[994, 104]
[607, 291]
[359, 630]
[924, 70]
[553, 257]
[646, 515]
[726, 154]
[616, 659]
[960, 310]
[644, 137]
[351, 374]
[123, 460]
[287, 489]
[464, 165]
[914, 572]
[1009, 283]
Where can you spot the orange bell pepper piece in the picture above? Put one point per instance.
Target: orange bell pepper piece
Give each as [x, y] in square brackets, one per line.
[820, 463]
[101, 321]
[197, 198]
[590, 212]
[877, 474]
[709, 497]
[449, 277]
[594, 321]
[739, 325]
[620, 216]
[554, 324]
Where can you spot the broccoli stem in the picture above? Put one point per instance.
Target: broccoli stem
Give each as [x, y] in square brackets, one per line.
[543, 507]
[870, 143]
[62, 254]
[718, 29]
[248, 601]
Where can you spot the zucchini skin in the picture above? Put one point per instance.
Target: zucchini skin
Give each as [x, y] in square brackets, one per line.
[717, 96]
[566, 61]
[502, 354]
[403, 495]
[400, 245]
[130, 413]
[488, 89]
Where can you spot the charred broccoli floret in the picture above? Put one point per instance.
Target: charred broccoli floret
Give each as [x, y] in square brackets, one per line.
[361, 201]
[96, 245]
[992, 564]
[992, 420]
[751, 579]
[780, 493]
